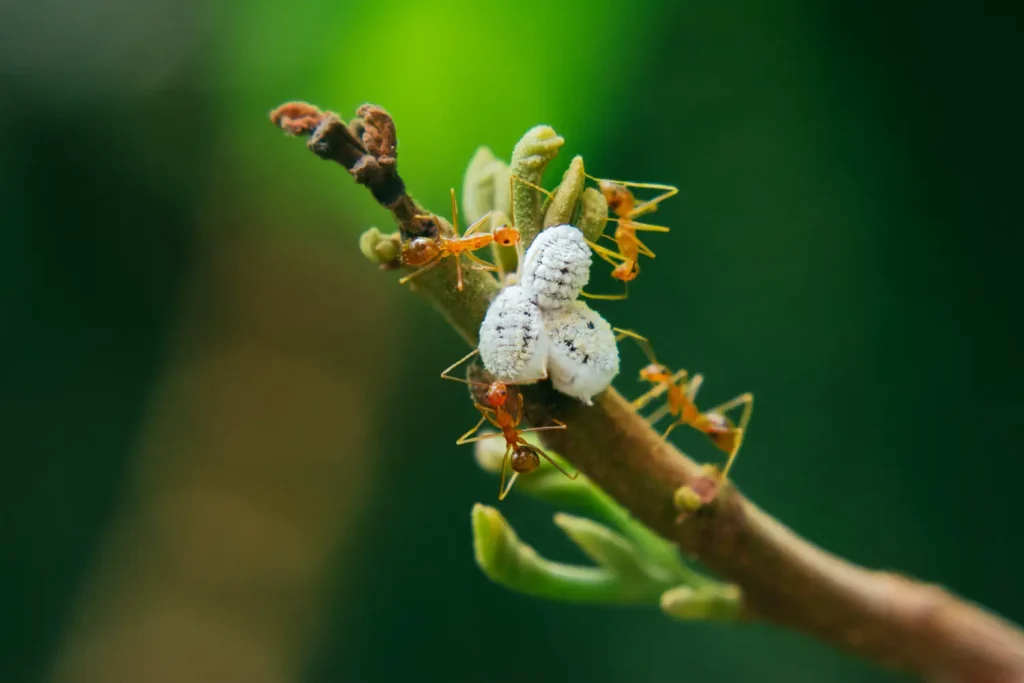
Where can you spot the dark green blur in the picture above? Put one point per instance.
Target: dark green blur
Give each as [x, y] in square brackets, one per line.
[845, 244]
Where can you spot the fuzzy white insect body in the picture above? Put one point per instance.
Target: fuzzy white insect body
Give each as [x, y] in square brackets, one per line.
[513, 345]
[556, 267]
[583, 358]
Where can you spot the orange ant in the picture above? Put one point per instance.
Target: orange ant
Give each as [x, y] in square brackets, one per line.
[623, 204]
[525, 457]
[726, 435]
[429, 252]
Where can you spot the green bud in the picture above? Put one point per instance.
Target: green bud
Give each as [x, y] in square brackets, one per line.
[593, 215]
[506, 560]
[686, 499]
[485, 187]
[566, 198]
[368, 244]
[529, 159]
[640, 578]
[380, 248]
[720, 602]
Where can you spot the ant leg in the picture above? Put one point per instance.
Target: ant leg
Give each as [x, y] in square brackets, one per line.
[739, 434]
[661, 412]
[433, 264]
[640, 227]
[559, 425]
[485, 415]
[557, 466]
[664, 437]
[747, 401]
[695, 383]
[650, 204]
[643, 248]
[482, 265]
[462, 439]
[656, 391]
[647, 227]
[532, 380]
[445, 375]
[502, 491]
[607, 297]
[613, 258]
[459, 285]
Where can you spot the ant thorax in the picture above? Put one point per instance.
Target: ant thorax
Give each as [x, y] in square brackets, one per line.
[513, 345]
[584, 357]
[556, 267]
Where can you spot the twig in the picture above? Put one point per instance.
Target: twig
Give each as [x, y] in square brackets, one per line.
[887, 618]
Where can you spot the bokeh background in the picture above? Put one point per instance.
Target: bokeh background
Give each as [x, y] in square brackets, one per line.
[227, 454]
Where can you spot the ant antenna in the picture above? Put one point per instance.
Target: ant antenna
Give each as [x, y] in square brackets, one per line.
[455, 212]
[642, 342]
[445, 375]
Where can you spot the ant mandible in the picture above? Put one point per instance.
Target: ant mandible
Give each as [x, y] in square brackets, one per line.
[525, 457]
[430, 252]
[726, 435]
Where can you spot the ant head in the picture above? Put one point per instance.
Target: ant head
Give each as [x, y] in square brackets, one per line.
[654, 373]
[497, 394]
[419, 251]
[619, 198]
[506, 235]
[525, 459]
[626, 271]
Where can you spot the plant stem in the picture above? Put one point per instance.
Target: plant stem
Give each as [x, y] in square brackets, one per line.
[890, 619]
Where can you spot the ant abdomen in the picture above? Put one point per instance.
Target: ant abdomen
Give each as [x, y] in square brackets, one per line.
[420, 251]
[524, 460]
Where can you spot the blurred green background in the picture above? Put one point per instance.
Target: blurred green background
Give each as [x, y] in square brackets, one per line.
[228, 455]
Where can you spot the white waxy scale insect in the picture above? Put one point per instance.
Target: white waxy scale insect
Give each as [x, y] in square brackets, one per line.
[583, 358]
[556, 267]
[513, 345]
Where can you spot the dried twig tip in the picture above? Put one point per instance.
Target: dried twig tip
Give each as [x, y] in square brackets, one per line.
[297, 118]
[379, 135]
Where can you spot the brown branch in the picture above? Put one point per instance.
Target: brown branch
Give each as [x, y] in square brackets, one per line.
[890, 619]
[893, 620]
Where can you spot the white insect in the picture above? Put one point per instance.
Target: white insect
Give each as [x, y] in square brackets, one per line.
[583, 357]
[513, 345]
[556, 267]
